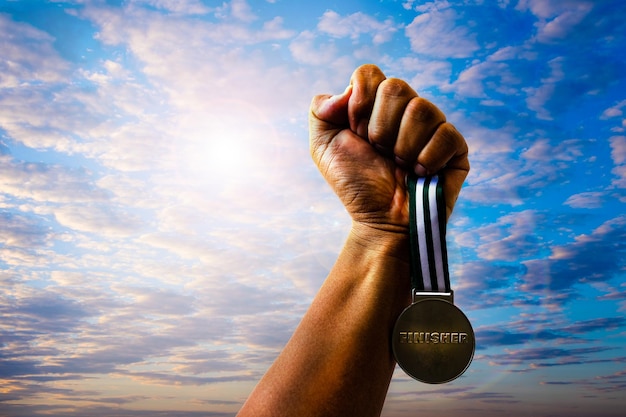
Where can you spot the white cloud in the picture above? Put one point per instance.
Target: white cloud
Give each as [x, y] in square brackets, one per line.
[618, 149]
[426, 73]
[241, 10]
[304, 49]
[204, 229]
[158, 301]
[356, 24]
[562, 25]
[556, 18]
[101, 220]
[178, 6]
[588, 200]
[470, 82]
[511, 238]
[496, 177]
[500, 73]
[439, 34]
[514, 53]
[542, 150]
[431, 5]
[203, 67]
[28, 55]
[44, 183]
[620, 180]
[538, 97]
[590, 258]
[618, 154]
[20, 230]
[614, 111]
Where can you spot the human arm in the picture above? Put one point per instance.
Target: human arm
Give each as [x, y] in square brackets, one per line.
[339, 361]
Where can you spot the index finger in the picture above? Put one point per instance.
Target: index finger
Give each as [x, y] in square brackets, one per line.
[365, 81]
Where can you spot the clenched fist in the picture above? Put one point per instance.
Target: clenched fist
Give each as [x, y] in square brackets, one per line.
[365, 140]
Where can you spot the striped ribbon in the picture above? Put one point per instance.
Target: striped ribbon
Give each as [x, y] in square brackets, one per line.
[427, 227]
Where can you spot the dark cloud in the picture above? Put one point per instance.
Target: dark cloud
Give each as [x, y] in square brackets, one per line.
[547, 331]
[597, 257]
[488, 338]
[29, 410]
[546, 357]
[23, 230]
[604, 324]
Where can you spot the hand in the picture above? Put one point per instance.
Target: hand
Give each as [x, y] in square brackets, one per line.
[366, 139]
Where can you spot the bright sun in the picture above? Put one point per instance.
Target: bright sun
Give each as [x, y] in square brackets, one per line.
[229, 145]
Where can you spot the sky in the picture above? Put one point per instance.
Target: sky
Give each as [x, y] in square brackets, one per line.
[163, 228]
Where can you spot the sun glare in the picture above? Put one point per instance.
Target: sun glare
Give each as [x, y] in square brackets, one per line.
[228, 146]
[225, 149]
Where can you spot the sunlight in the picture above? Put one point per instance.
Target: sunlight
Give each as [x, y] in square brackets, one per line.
[223, 149]
[227, 146]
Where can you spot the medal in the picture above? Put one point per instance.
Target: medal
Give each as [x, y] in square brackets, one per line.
[432, 341]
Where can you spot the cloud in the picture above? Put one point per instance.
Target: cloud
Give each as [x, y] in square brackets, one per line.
[538, 97]
[544, 357]
[511, 237]
[481, 285]
[470, 82]
[453, 41]
[594, 325]
[105, 221]
[425, 73]
[590, 258]
[356, 24]
[178, 6]
[28, 55]
[304, 50]
[183, 230]
[620, 174]
[547, 331]
[501, 337]
[193, 80]
[618, 149]
[241, 10]
[52, 183]
[556, 19]
[543, 150]
[588, 200]
[614, 111]
[22, 230]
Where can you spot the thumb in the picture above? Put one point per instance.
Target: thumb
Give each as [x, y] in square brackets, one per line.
[331, 109]
[328, 115]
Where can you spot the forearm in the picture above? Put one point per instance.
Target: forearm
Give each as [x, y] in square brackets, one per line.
[339, 360]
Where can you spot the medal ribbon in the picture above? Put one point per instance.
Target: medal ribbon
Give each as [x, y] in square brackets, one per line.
[427, 228]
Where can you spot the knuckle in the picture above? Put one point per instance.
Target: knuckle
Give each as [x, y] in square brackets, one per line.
[451, 137]
[368, 71]
[423, 111]
[377, 134]
[395, 87]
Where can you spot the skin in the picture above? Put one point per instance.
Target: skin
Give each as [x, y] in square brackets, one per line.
[339, 360]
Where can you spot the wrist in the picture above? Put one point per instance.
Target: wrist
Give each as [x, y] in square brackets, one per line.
[378, 260]
[386, 243]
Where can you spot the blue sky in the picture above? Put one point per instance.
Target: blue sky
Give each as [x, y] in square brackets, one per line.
[162, 228]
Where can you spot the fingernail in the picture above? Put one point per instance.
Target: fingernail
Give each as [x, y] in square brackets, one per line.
[420, 170]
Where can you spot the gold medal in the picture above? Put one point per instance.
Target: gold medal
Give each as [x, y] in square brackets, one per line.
[432, 340]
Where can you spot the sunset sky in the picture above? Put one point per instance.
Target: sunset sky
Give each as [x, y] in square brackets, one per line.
[163, 228]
